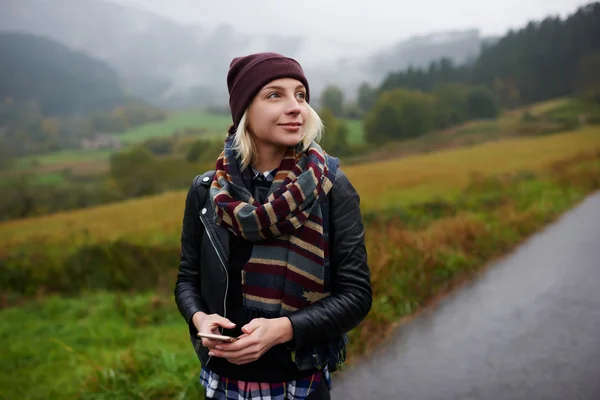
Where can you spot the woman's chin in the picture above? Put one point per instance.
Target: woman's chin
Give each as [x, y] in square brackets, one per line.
[290, 140]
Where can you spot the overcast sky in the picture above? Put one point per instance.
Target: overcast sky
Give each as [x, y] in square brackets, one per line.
[375, 22]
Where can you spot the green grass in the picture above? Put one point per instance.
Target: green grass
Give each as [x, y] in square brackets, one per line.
[573, 109]
[50, 178]
[213, 123]
[63, 156]
[357, 134]
[136, 346]
[99, 346]
[543, 107]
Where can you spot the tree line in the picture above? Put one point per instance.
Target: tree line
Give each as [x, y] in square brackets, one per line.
[543, 60]
[547, 59]
[25, 130]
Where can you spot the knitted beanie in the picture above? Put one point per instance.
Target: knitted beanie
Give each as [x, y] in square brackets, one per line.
[248, 74]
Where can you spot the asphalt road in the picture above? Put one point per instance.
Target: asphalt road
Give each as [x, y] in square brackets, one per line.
[529, 328]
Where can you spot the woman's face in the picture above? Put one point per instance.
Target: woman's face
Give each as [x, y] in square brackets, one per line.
[277, 114]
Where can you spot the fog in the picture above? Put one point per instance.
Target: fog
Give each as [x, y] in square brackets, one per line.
[176, 53]
[374, 22]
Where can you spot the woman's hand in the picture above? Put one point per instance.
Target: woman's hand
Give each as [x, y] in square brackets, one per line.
[210, 323]
[259, 336]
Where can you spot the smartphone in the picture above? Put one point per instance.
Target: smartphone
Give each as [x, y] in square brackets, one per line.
[228, 339]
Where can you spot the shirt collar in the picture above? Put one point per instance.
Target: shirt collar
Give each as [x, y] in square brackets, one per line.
[269, 176]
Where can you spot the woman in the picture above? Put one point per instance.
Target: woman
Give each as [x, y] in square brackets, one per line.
[272, 245]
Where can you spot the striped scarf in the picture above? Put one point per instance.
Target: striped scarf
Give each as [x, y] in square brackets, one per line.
[286, 269]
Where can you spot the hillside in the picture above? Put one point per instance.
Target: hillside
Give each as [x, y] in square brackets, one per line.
[60, 80]
[156, 219]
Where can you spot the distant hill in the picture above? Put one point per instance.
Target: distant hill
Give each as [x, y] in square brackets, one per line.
[170, 64]
[60, 80]
[420, 51]
[416, 51]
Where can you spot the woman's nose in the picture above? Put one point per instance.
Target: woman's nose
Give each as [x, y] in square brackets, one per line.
[293, 106]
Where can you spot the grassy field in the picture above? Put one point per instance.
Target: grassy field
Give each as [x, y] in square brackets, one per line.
[357, 134]
[92, 345]
[134, 345]
[63, 156]
[542, 108]
[412, 179]
[46, 178]
[214, 124]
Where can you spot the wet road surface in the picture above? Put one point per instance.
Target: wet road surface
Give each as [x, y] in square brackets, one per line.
[528, 328]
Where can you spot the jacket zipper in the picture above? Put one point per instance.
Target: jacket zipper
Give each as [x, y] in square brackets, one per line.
[224, 268]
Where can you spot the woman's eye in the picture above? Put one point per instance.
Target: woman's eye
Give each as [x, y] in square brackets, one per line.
[301, 95]
[273, 95]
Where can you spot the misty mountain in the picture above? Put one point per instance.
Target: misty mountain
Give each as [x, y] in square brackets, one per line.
[420, 51]
[175, 65]
[61, 81]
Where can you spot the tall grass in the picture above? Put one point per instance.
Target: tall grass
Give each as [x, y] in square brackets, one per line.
[417, 253]
[99, 346]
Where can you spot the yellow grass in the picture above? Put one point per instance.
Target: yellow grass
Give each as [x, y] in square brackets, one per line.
[382, 184]
[536, 109]
[398, 181]
[546, 106]
[155, 219]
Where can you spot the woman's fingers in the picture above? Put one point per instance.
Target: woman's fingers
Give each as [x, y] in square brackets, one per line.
[210, 343]
[244, 342]
[238, 359]
[211, 323]
[220, 321]
[241, 349]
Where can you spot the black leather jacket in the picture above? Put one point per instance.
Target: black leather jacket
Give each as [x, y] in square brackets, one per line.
[203, 243]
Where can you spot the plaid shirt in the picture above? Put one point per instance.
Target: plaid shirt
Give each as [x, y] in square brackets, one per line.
[221, 388]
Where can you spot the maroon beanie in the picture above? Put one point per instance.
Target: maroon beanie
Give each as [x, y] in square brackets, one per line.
[247, 75]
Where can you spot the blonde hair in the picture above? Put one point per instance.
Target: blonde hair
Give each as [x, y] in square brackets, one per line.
[246, 149]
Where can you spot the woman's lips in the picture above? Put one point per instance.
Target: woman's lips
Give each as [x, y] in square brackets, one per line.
[292, 126]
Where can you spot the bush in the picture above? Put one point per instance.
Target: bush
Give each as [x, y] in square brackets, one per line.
[159, 146]
[204, 150]
[335, 135]
[482, 103]
[105, 266]
[451, 106]
[333, 98]
[400, 114]
[353, 111]
[20, 198]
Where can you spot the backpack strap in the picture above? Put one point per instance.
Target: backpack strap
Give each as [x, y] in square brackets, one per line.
[333, 164]
[203, 182]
